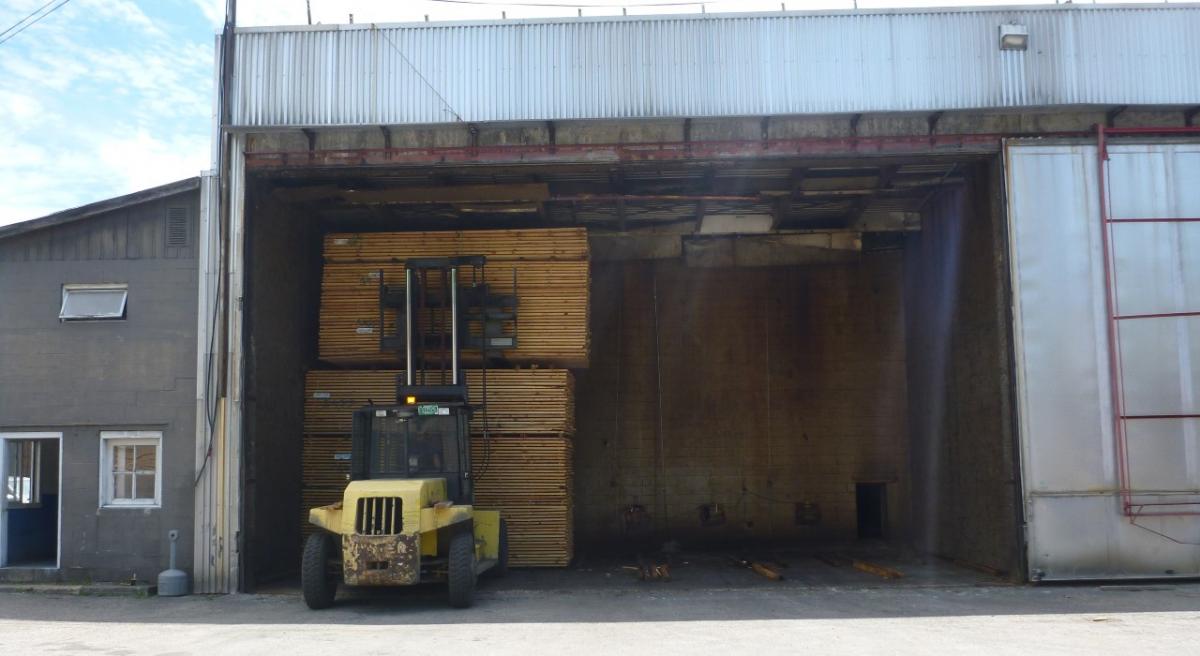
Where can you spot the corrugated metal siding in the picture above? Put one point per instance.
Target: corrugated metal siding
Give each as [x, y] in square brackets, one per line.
[714, 66]
[1068, 457]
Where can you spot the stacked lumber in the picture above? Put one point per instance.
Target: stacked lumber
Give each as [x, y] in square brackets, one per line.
[519, 401]
[551, 282]
[325, 461]
[523, 469]
[528, 479]
[525, 244]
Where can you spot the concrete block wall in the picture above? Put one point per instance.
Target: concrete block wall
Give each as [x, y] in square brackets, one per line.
[80, 378]
[762, 388]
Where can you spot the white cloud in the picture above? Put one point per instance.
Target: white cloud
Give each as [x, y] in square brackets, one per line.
[122, 10]
[100, 100]
[141, 160]
[213, 10]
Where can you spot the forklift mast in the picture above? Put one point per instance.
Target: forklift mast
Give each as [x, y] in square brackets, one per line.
[425, 433]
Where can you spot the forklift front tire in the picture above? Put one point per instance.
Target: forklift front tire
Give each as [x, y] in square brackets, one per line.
[462, 568]
[318, 577]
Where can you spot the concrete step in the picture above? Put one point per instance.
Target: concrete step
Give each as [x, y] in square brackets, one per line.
[80, 589]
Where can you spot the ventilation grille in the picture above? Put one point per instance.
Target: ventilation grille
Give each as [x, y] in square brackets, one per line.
[177, 227]
[379, 516]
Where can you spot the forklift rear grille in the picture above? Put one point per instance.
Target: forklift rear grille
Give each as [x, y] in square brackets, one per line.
[379, 516]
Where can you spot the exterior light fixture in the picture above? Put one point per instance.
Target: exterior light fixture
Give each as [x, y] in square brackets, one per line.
[1014, 37]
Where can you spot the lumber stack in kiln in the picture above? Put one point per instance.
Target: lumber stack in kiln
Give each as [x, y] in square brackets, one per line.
[524, 468]
[528, 479]
[551, 268]
[520, 401]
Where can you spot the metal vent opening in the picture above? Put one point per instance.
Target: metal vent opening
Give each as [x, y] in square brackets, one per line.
[379, 516]
[177, 227]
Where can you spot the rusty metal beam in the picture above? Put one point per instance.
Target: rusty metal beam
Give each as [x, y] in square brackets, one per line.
[485, 193]
[515, 155]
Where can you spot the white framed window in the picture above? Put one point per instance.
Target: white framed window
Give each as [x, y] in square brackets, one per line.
[93, 302]
[22, 484]
[130, 469]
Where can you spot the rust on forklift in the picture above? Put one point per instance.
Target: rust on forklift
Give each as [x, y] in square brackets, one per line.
[382, 559]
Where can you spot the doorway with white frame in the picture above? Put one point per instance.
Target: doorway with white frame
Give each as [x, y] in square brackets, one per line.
[31, 503]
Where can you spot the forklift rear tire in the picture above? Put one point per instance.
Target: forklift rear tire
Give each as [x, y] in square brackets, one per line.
[501, 567]
[317, 576]
[462, 568]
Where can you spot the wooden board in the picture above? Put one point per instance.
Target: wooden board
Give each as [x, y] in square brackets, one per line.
[551, 281]
[539, 535]
[522, 469]
[520, 401]
[529, 480]
[499, 245]
[325, 460]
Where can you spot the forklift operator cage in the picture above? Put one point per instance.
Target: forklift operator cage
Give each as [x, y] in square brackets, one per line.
[413, 441]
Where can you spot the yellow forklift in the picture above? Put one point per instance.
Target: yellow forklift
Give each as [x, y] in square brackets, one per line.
[407, 515]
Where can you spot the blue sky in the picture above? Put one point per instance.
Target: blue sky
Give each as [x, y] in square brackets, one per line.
[106, 97]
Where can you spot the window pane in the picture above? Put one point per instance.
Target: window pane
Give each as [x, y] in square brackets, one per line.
[134, 467]
[20, 481]
[122, 486]
[145, 487]
[122, 458]
[11, 479]
[145, 458]
[93, 304]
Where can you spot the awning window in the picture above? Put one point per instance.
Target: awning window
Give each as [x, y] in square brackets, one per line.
[93, 302]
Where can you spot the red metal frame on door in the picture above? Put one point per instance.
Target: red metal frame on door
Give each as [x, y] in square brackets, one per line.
[1129, 507]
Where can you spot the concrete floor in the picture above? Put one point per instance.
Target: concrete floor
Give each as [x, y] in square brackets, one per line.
[709, 606]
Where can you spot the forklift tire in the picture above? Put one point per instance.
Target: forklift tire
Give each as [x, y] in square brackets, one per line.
[461, 573]
[317, 577]
[501, 567]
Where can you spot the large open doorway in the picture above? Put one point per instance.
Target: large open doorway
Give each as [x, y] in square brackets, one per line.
[31, 506]
[811, 354]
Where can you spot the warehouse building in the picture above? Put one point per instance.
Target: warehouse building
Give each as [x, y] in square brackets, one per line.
[97, 388]
[924, 278]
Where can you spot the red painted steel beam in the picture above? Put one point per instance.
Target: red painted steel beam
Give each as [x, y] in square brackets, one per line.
[1177, 219]
[1189, 416]
[1113, 333]
[1191, 129]
[1160, 315]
